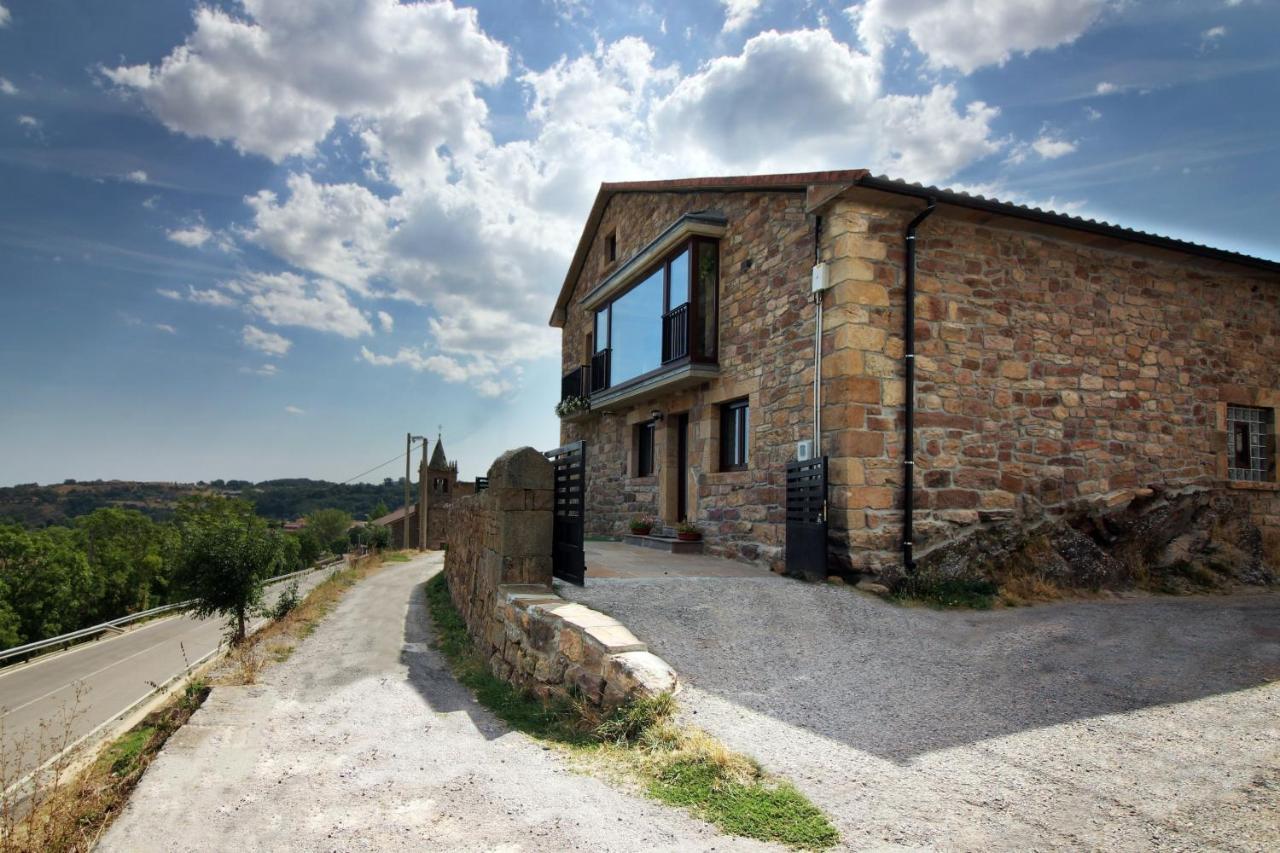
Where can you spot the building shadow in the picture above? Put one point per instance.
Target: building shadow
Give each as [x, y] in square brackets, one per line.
[898, 682]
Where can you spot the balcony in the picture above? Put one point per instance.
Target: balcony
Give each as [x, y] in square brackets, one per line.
[575, 385]
[675, 334]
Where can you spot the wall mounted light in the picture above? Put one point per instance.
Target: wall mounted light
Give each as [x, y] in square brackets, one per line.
[655, 416]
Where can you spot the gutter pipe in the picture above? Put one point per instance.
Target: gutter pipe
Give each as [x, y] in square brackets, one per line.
[817, 347]
[909, 359]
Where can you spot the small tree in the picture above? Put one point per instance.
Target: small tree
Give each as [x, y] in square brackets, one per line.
[227, 552]
[329, 527]
[379, 510]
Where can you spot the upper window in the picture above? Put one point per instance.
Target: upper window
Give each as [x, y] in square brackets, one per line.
[1251, 444]
[611, 246]
[645, 433]
[735, 429]
[668, 316]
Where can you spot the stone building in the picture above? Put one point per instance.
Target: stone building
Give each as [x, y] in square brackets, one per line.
[438, 487]
[1057, 361]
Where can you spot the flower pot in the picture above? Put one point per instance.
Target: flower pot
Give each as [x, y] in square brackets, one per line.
[688, 537]
[640, 531]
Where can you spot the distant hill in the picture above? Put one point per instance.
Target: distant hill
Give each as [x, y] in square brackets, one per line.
[34, 505]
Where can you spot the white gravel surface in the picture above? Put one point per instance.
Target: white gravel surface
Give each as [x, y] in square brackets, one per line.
[364, 741]
[1147, 723]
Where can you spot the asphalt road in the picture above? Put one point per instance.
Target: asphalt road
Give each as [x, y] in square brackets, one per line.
[115, 673]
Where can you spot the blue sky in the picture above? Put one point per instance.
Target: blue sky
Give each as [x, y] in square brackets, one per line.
[265, 238]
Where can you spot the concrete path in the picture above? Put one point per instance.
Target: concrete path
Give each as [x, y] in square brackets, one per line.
[619, 560]
[116, 672]
[364, 741]
[1151, 723]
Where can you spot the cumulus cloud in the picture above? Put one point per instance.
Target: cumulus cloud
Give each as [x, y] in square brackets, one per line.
[737, 13]
[30, 122]
[265, 342]
[288, 299]
[191, 236]
[480, 373]
[210, 296]
[386, 321]
[5, 17]
[1210, 38]
[1049, 145]
[968, 34]
[276, 81]
[7, 87]
[294, 410]
[1106, 88]
[137, 176]
[165, 327]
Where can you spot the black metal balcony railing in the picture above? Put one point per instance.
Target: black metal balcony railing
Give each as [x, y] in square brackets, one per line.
[576, 383]
[675, 333]
[599, 379]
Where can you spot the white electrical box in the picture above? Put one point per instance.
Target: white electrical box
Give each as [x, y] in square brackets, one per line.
[804, 450]
[821, 277]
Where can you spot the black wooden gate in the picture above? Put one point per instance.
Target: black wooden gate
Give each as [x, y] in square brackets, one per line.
[807, 519]
[568, 559]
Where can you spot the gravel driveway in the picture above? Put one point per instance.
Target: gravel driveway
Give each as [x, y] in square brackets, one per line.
[364, 741]
[1122, 724]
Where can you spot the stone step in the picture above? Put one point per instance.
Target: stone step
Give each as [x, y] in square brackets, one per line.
[669, 544]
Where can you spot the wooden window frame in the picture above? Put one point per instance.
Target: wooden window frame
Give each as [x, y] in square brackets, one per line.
[646, 434]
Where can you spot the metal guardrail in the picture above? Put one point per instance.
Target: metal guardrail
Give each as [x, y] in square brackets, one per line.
[17, 651]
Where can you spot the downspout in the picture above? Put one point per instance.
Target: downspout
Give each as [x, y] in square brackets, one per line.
[817, 346]
[909, 393]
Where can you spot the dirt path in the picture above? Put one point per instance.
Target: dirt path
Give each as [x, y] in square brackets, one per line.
[1125, 725]
[364, 741]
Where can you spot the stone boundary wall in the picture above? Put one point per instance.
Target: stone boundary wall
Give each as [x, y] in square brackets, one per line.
[499, 570]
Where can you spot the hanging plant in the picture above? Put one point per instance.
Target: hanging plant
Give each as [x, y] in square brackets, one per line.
[572, 405]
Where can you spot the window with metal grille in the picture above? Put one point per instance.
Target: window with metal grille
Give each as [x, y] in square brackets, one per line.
[1251, 444]
[644, 449]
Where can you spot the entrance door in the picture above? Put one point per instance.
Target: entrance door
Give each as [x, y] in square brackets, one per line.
[682, 468]
[568, 556]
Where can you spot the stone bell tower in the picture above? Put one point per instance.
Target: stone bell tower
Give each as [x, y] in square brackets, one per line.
[438, 481]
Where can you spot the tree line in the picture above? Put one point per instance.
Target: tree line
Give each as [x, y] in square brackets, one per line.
[113, 562]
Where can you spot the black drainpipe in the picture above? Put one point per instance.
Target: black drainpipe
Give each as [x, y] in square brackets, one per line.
[909, 439]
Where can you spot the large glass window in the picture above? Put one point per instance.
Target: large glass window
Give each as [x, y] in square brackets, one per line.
[602, 329]
[735, 429]
[679, 293]
[636, 338]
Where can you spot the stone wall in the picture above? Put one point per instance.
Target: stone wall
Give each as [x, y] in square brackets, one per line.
[765, 354]
[1050, 373]
[499, 570]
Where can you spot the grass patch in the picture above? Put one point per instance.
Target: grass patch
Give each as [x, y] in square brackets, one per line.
[937, 591]
[681, 766]
[396, 557]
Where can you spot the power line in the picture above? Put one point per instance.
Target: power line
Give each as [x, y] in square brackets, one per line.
[395, 458]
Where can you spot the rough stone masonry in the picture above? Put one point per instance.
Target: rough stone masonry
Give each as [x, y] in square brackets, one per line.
[498, 565]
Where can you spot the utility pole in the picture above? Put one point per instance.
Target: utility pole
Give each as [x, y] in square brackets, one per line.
[404, 521]
[423, 497]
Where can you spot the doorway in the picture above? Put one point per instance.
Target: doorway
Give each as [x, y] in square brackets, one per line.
[682, 467]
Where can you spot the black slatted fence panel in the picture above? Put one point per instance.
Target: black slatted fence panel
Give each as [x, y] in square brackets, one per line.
[568, 556]
[806, 548]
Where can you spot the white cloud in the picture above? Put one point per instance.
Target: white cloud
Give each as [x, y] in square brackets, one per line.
[1211, 37]
[150, 202]
[29, 122]
[294, 410]
[276, 81]
[191, 236]
[1091, 114]
[165, 327]
[215, 298]
[287, 299]
[5, 17]
[1105, 88]
[480, 373]
[386, 321]
[1049, 145]
[137, 176]
[267, 369]
[968, 34]
[7, 87]
[169, 294]
[266, 342]
[737, 13]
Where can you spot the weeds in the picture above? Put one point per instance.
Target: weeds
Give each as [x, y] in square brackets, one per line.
[679, 765]
[939, 591]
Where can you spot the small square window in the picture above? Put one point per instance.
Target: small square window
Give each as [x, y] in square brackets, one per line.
[1251, 444]
[611, 246]
[735, 429]
[644, 449]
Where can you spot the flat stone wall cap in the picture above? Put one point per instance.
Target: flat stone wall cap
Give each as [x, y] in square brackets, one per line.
[579, 616]
[615, 639]
[522, 468]
[649, 671]
[512, 591]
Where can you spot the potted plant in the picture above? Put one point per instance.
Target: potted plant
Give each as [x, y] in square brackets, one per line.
[572, 405]
[641, 525]
[687, 531]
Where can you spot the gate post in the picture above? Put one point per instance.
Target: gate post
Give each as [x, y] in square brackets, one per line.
[520, 492]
